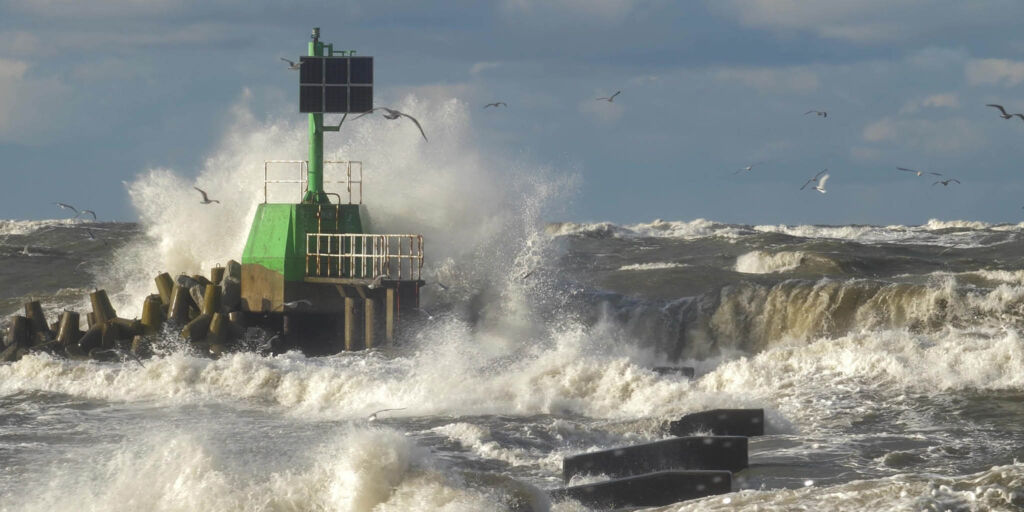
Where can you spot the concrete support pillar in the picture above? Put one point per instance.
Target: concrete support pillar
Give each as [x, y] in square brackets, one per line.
[389, 315]
[350, 323]
[370, 329]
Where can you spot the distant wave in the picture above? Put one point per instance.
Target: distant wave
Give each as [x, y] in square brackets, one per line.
[698, 228]
[652, 266]
[953, 233]
[27, 227]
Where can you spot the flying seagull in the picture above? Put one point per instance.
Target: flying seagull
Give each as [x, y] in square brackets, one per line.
[206, 198]
[610, 99]
[496, 104]
[90, 212]
[439, 284]
[67, 207]
[1004, 115]
[919, 173]
[292, 64]
[392, 114]
[373, 417]
[820, 187]
[819, 113]
[814, 179]
[945, 183]
[748, 168]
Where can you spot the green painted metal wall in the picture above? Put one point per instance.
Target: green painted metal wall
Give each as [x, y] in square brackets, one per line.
[277, 238]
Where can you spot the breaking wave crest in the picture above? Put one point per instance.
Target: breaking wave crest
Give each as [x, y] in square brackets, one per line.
[760, 262]
[359, 471]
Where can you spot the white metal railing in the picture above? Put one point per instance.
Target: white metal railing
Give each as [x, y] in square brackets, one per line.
[353, 182]
[301, 182]
[397, 257]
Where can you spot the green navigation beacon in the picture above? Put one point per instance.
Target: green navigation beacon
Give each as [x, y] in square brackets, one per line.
[310, 268]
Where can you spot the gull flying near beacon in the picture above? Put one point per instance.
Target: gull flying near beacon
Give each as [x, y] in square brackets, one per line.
[292, 64]
[819, 113]
[206, 198]
[1004, 114]
[748, 168]
[820, 187]
[496, 104]
[66, 206]
[392, 114]
[919, 173]
[945, 183]
[373, 417]
[814, 179]
[610, 99]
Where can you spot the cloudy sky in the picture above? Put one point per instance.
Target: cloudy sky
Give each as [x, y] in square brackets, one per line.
[95, 93]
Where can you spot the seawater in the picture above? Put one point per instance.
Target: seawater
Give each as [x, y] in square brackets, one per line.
[889, 359]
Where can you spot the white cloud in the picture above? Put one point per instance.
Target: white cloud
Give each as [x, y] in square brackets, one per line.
[95, 9]
[603, 10]
[955, 135]
[863, 153]
[12, 73]
[937, 58]
[865, 21]
[795, 79]
[643, 79]
[882, 130]
[25, 102]
[943, 100]
[480, 67]
[994, 72]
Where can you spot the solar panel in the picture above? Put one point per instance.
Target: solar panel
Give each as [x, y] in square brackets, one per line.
[311, 99]
[336, 84]
[361, 70]
[360, 98]
[337, 71]
[312, 70]
[336, 98]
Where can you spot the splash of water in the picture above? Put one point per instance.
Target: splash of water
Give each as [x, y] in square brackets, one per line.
[476, 211]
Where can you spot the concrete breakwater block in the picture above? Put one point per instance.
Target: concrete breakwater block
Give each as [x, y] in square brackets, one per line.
[721, 422]
[685, 371]
[725, 453]
[651, 490]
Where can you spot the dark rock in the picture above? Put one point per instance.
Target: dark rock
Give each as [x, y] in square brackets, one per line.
[651, 490]
[722, 422]
[711, 453]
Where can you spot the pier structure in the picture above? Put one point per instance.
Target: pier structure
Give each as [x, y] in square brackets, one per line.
[310, 268]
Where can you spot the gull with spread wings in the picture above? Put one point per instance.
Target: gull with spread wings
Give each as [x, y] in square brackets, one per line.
[815, 178]
[392, 114]
[919, 173]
